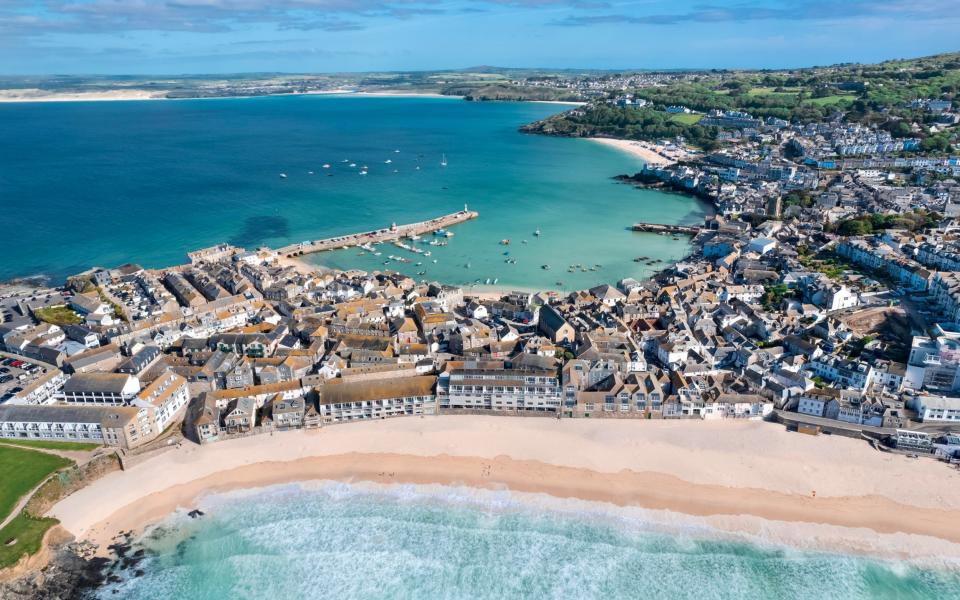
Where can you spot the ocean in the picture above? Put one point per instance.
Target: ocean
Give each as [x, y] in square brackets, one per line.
[105, 183]
[340, 540]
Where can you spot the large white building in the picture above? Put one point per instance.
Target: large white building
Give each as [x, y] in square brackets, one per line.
[377, 399]
[501, 389]
[937, 408]
[100, 388]
[166, 396]
[121, 426]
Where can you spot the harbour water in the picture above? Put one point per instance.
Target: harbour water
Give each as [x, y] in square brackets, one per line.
[338, 540]
[105, 183]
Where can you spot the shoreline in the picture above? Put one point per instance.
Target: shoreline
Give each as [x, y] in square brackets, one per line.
[647, 152]
[677, 468]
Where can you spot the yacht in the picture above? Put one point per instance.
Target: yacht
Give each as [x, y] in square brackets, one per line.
[443, 161]
[326, 165]
[283, 175]
[537, 232]
[387, 162]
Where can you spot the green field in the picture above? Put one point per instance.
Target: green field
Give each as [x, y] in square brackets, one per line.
[685, 118]
[27, 532]
[831, 100]
[20, 471]
[57, 315]
[769, 91]
[51, 444]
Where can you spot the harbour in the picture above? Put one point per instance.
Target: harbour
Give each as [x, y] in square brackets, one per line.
[393, 233]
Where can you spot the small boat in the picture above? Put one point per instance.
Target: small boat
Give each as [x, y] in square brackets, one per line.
[443, 161]
[418, 167]
[504, 242]
[352, 164]
[523, 241]
[397, 151]
[346, 160]
[309, 172]
[440, 232]
[487, 282]
[396, 170]
[537, 232]
[427, 253]
[466, 266]
[545, 267]
[363, 172]
[283, 175]
[559, 284]
[434, 261]
[326, 165]
[387, 162]
[495, 281]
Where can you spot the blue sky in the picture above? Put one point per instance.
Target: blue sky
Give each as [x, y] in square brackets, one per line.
[229, 36]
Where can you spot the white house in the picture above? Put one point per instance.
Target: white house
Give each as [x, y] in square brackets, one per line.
[936, 408]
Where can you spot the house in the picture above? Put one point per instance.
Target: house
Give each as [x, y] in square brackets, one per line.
[761, 245]
[207, 423]
[139, 361]
[288, 413]
[819, 403]
[88, 304]
[240, 415]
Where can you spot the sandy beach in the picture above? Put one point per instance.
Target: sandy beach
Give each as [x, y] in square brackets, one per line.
[652, 154]
[745, 477]
[37, 95]
[404, 94]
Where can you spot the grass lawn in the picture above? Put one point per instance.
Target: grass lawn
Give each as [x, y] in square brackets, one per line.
[20, 471]
[51, 444]
[831, 100]
[57, 315]
[685, 118]
[28, 533]
[769, 91]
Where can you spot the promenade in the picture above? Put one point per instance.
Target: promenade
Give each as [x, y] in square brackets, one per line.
[394, 232]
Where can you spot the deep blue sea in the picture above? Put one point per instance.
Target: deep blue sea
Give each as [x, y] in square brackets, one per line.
[337, 540]
[103, 183]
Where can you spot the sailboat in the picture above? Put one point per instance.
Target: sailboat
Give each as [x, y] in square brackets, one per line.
[443, 161]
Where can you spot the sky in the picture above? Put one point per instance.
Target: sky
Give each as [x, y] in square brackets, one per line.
[302, 36]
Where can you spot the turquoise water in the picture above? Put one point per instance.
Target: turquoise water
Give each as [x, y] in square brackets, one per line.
[337, 540]
[104, 183]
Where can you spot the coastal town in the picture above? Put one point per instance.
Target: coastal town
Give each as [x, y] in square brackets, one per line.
[821, 295]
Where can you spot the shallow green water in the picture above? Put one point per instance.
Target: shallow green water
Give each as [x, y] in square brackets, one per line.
[337, 540]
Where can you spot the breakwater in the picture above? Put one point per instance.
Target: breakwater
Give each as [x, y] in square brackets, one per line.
[394, 232]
